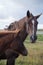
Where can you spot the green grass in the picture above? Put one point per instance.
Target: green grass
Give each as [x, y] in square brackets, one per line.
[40, 37]
[35, 53]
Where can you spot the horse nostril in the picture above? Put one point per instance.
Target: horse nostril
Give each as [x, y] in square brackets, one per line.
[32, 37]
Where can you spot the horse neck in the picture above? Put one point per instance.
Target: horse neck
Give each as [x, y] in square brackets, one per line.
[23, 34]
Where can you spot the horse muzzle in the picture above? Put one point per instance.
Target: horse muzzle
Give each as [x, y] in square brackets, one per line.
[25, 53]
[33, 39]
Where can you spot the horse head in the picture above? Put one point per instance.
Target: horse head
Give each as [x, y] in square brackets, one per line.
[31, 26]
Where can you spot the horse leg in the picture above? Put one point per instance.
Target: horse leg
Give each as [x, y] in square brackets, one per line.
[10, 61]
[11, 56]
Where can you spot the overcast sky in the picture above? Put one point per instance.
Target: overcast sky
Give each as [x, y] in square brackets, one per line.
[11, 10]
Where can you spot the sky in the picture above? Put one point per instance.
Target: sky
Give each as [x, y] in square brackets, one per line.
[11, 10]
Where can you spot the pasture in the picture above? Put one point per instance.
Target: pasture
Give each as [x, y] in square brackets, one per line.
[35, 53]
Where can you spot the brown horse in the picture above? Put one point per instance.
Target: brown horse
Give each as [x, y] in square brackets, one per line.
[31, 26]
[16, 46]
[11, 46]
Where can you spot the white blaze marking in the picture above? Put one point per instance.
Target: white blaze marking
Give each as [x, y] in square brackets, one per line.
[33, 26]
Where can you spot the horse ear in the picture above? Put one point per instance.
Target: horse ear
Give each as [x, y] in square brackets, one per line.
[38, 16]
[28, 13]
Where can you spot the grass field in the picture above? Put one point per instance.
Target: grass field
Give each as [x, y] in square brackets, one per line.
[35, 53]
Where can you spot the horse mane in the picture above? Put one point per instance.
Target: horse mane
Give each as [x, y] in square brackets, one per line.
[17, 24]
